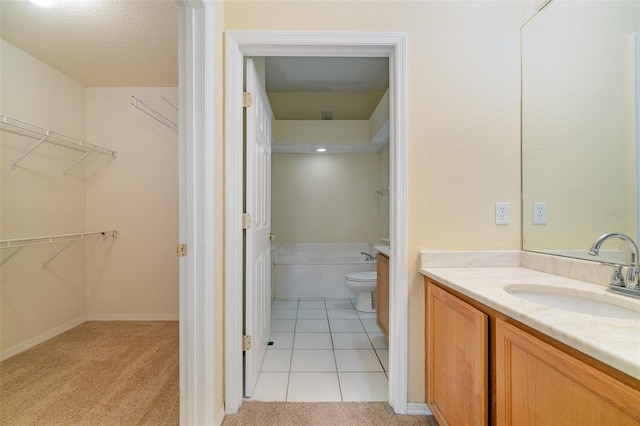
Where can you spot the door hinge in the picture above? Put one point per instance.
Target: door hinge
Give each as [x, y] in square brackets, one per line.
[246, 221]
[182, 250]
[247, 99]
[246, 343]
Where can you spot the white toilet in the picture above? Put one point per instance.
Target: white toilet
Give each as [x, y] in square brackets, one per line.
[364, 284]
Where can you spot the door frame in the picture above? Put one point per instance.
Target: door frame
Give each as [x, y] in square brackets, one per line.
[346, 44]
[196, 61]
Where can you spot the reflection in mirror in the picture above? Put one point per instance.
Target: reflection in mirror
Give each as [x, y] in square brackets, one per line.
[578, 127]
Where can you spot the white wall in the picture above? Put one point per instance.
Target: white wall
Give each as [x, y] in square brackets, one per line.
[329, 197]
[37, 200]
[137, 277]
[133, 277]
[326, 198]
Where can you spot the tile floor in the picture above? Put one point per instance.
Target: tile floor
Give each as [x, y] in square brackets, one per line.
[323, 350]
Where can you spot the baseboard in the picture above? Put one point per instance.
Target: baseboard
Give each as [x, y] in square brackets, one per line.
[34, 341]
[418, 409]
[132, 317]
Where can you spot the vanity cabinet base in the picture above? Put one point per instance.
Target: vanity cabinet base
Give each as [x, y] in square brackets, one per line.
[539, 384]
[529, 379]
[382, 304]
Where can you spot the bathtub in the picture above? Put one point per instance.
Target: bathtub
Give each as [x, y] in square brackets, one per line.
[317, 270]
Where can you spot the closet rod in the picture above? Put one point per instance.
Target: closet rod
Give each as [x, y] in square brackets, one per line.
[151, 112]
[53, 239]
[20, 243]
[47, 135]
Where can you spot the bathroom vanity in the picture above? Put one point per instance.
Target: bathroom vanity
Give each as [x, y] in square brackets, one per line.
[495, 358]
[382, 304]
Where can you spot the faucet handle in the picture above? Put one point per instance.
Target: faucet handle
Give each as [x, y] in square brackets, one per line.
[617, 279]
[632, 277]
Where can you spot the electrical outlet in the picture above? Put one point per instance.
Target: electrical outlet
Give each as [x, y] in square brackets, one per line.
[502, 213]
[539, 213]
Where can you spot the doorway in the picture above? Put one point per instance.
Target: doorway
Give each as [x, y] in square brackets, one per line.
[329, 191]
[347, 44]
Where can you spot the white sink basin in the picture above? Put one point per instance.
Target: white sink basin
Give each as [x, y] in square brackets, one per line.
[581, 301]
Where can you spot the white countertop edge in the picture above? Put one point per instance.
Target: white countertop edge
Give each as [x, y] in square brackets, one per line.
[383, 249]
[604, 339]
[451, 259]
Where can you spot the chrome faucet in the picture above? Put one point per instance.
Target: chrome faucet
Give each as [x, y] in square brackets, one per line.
[632, 273]
[368, 256]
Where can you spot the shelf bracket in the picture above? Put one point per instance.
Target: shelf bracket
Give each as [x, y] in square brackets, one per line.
[44, 138]
[44, 265]
[10, 256]
[85, 155]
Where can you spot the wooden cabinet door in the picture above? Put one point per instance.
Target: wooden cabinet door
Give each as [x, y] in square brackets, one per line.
[382, 304]
[456, 359]
[538, 384]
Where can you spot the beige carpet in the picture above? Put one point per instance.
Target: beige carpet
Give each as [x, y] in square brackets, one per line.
[99, 373]
[322, 414]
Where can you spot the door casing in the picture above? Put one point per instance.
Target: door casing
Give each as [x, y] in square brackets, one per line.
[317, 44]
[196, 48]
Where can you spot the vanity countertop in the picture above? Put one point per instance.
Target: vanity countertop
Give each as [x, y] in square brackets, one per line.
[383, 249]
[614, 341]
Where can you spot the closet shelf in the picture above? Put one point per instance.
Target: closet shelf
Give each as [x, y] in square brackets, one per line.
[46, 135]
[20, 243]
[160, 108]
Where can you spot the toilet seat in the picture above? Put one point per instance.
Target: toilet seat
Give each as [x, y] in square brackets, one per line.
[362, 277]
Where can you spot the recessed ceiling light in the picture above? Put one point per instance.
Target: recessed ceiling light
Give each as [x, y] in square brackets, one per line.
[43, 3]
[321, 149]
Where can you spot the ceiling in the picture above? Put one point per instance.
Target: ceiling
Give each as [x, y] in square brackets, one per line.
[99, 43]
[307, 74]
[134, 43]
[310, 88]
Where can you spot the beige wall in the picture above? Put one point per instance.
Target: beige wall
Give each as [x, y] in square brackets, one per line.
[318, 198]
[321, 132]
[37, 200]
[463, 115]
[137, 193]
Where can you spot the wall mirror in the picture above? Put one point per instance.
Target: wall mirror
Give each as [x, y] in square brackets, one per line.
[580, 127]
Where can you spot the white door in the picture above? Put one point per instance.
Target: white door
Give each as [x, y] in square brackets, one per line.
[257, 238]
